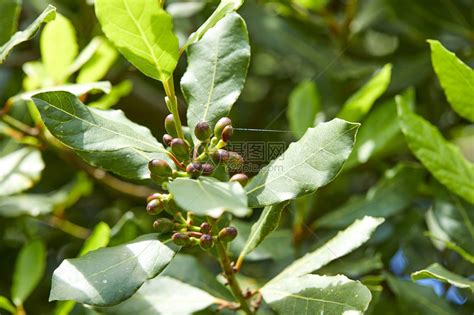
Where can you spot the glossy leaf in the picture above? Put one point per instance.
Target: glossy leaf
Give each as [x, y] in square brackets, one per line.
[217, 67]
[22, 36]
[58, 48]
[225, 7]
[20, 170]
[393, 193]
[304, 104]
[436, 271]
[359, 104]
[99, 238]
[312, 294]
[8, 23]
[456, 78]
[343, 243]
[444, 160]
[39, 204]
[267, 223]
[99, 64]
[306, 165]
[163, 295]
[208, 196]
[108, 276]
[102, 138]
[143, 32]
[29, 269]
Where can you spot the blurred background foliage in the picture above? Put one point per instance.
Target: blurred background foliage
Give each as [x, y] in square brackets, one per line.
[331, 48]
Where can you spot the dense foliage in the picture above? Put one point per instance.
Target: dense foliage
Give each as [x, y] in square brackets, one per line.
[314, 156]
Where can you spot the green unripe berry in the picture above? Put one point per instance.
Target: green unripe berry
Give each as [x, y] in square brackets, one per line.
[207, 169]
[206, 241]
[163, 225]
[241, 178]
[227, 133]
[202, 131]
[181, 239]
[220, 125]
[167, 139]
[205, 228]
[228, 234]
[160, 168]
[170, 125]
[155, 206]
[194, 170]
[180, 148]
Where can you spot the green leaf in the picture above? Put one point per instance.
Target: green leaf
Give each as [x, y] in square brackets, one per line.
[417, 299]
[58, 48]
[436, 271]
[143, 32]
[267, 223]
[8, 23]
[306, 165]
[29, 269]
[100, 63]
[217, 67]
[76, 89]
[312, 294]
[102, 138]
[456, 78]
[200, 277]
[359, 104]
[20, 170]
[86, 54]
[19, 37]
[163, 295]
[208, 196]
[39, 204]
[380, 134]
[343, 243]
[304, 104]
[6, 305]
[99, 238]
[393, 193]
[116, 93]
[225, 7]
[108, 276]
[444, 160]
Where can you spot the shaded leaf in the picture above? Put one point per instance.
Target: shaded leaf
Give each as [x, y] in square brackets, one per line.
[359, 104]
[102, 138]
[267, 223]
[20, 170]
[456, 78]
[99, 238]
[225, 7]
[208, 196]
[217, 67]
[306, 165]
[58, 48]
[22, 36]
[163, 295]
[303, 105]
[8, 23]
[444, 160]
[393, 193]
[108, 276]
[143, 32]
[312, 294]
[343, 243]
[29, 269]
[436, 271]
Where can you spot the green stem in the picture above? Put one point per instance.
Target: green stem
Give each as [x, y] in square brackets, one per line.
[68, 227]
[172, 104]
[230, 276]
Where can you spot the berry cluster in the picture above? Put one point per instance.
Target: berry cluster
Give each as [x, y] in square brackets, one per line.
[207, 155]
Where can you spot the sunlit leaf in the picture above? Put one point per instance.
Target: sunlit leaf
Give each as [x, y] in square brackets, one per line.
[436, 271]
[99, 238]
